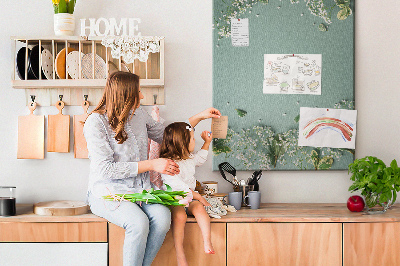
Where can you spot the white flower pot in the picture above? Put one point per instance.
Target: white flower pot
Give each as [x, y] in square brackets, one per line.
[64, 24]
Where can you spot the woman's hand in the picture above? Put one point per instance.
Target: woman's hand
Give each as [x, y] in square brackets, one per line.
[165, 166]
[208, 113]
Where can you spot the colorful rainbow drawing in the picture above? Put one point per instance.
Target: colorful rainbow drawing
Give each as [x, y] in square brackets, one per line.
[316, 125]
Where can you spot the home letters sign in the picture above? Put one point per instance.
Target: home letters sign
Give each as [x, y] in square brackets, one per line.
[126, 26]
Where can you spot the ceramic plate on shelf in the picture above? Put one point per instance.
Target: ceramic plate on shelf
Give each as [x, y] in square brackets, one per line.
[73, 64]
[112, 67]
[47, 64]
[60, 62]
[20, 64]
[34, 61]
[100, 67]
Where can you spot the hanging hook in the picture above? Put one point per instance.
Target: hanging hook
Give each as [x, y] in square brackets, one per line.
[155, 98]
[60, 97]
[85, 97]
[33, 98]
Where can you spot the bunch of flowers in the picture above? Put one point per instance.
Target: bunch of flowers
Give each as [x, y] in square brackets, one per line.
[64, 6]
[164, 197]
[132, 47]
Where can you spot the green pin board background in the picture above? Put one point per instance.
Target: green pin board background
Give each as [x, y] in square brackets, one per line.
[263, 128]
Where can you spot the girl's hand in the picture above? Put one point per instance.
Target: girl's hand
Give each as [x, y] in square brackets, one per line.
[206, 136]
[210, 113]
[205, 203]
[165, 166]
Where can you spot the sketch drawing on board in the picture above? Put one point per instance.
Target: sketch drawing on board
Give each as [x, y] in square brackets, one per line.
[320, 127]
[292, 74]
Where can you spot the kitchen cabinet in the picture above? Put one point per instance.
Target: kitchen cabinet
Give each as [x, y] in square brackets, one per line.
[371, 244]
[193, 244]
[284, 244]
[276, 234]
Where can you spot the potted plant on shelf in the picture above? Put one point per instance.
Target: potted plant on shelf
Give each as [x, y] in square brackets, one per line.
[64, 21]
[377, 182]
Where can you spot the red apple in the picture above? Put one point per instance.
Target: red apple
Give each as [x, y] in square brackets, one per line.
[355, 204]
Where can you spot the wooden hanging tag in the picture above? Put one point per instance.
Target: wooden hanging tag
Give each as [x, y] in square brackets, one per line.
[58, 131]
[80, 149]
[31, 135]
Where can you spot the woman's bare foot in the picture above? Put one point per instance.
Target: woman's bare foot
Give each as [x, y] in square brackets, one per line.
[209, 249]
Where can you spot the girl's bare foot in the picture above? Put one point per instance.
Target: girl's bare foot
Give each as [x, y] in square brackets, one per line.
[182, 261]
[209, 249]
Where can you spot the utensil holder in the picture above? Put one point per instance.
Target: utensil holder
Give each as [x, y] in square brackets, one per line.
[245, 191]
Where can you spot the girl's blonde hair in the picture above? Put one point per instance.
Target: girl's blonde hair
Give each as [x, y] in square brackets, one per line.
[175, 144]
[120, 96]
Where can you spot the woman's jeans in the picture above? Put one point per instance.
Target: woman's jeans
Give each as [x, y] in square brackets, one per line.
[145, 227]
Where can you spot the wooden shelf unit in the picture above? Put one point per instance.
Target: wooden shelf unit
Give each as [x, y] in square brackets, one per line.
[73, 90]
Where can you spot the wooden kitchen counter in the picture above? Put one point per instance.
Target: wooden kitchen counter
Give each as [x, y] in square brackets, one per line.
[307, 213]
[25, 214]
[268, 212]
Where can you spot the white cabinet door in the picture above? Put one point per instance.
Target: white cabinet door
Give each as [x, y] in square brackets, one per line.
[49, 254]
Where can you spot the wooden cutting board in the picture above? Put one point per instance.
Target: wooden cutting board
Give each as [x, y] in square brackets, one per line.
[31, 135]
[60, 208]
[80, 149]
[58, 131]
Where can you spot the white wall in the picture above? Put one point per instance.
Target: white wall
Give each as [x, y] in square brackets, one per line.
[187, 28]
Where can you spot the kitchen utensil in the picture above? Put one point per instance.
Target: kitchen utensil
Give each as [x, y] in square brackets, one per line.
[61, 63]
[36, 53]
[73, 64]
[7, 201]
[235, 199]
[60, 208]
[245, 190]
[47, 63]
[99, 67]
[80, 149]
[20, 60]
[254, 199]
[225, 166]
[58, 131]
[31, 135]
[253, 180]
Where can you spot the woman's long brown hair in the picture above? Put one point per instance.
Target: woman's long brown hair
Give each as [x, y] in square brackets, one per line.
[175, 144]
[121, 95]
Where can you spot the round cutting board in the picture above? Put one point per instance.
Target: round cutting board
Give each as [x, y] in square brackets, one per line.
[60, 208]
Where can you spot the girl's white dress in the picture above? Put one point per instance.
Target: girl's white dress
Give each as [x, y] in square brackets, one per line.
[185, 180]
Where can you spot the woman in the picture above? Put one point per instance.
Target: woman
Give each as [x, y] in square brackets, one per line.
[116, 133]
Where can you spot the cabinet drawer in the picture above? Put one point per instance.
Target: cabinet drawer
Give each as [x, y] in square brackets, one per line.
[53, 232]
[60, 254]
[284, 244]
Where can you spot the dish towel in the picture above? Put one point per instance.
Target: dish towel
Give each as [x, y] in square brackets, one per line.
[154, 150]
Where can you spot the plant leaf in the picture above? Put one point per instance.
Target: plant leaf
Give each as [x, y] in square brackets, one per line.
[322, 27]
[62, 7]
[325, 163]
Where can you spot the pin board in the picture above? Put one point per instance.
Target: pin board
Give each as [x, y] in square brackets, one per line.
[273, 60]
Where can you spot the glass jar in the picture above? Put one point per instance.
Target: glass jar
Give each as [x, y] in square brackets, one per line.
[7, 201]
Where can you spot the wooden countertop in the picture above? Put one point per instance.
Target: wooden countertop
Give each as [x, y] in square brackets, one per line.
[268, 212]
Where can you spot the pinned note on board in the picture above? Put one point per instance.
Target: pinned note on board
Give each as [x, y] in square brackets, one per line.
[240, 32]
[219, 127]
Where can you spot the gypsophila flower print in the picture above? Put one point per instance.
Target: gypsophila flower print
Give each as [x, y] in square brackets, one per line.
[132, 47]
[319, 8]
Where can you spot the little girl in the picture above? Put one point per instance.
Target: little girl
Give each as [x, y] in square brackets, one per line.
[178, 144]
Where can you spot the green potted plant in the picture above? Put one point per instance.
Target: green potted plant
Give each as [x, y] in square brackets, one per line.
[64, 21]
[377, 182]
